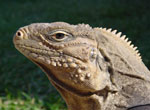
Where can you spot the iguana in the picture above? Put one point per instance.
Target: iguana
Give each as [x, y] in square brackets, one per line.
[92, 68]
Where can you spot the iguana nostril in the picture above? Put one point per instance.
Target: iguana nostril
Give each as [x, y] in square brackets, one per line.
[19, 35]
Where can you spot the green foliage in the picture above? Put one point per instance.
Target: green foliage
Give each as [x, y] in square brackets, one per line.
[23, 86]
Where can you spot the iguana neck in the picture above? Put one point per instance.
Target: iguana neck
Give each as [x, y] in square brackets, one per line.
[75, 102]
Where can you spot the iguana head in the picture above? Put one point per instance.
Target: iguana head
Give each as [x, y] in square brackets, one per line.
[67, 53]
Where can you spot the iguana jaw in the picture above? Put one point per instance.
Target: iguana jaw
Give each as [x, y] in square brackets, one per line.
[52, 76]
[46, 68]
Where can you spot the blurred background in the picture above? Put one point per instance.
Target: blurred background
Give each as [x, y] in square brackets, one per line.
[23, 86]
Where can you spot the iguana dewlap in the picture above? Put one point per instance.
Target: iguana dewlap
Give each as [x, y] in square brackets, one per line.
[92, 68]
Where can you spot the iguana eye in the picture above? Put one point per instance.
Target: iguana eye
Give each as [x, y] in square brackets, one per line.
[59, 36]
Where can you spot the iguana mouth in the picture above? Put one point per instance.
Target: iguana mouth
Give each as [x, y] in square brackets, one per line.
[38, 51]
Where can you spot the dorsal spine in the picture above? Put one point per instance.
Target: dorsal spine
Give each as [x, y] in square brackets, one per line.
[124, 39]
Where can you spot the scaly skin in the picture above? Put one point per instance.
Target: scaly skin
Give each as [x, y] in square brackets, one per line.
[92, 68]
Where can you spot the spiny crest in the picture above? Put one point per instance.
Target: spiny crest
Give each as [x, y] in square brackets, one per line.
[124, 39]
